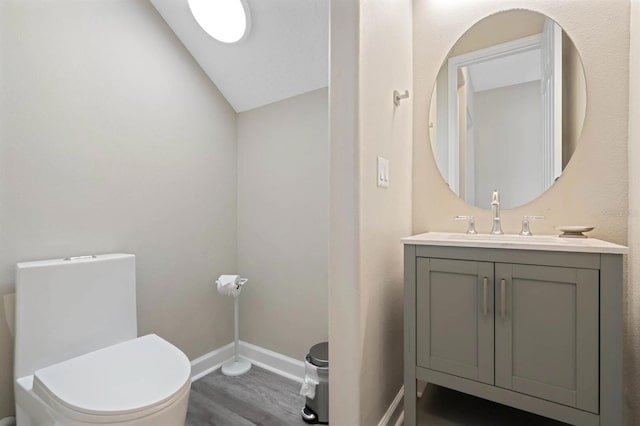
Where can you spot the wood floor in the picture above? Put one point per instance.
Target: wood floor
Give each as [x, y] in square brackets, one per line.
[258, 397]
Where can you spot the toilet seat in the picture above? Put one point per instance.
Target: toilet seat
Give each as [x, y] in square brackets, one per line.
[122, 382]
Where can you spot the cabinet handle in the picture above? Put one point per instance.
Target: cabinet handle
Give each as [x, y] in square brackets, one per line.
[484, 296]
[503, 283]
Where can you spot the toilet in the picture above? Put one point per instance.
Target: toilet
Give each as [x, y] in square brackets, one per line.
[78, 358]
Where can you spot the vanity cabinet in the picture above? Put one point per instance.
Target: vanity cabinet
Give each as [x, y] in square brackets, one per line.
[546, 337]
[455, 321]
[538, 330]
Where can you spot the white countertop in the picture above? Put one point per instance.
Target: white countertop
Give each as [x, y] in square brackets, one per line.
[516, 242]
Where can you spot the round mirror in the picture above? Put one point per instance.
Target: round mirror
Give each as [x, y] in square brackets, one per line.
[507, 108]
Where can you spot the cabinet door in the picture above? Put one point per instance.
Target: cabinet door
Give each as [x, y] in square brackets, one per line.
[546, 333]
[454, 313]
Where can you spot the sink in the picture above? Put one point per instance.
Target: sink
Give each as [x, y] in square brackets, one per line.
[516, 242]
[548, 239]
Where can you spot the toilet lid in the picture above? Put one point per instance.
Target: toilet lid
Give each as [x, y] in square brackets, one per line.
[124, 378]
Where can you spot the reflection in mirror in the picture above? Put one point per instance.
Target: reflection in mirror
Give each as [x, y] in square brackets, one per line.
[507, 108]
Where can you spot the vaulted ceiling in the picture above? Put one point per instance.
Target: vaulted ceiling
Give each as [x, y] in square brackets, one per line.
[284, 55]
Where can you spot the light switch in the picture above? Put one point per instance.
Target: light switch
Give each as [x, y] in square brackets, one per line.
[383, 172]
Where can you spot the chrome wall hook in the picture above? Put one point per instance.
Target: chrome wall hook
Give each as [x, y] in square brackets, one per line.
[397, 97]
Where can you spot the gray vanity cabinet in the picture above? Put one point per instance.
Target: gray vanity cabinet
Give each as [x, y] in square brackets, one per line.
[455, 317]
[546, 333]
[537, 330]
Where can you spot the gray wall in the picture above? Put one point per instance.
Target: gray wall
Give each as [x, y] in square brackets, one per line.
[112, 139]
[283, 196]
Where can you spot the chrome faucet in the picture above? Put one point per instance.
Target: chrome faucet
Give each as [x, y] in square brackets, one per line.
[495, 210]
[525, 224]
[471, 228]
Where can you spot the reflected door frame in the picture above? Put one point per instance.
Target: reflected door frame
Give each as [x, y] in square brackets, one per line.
[549, 43]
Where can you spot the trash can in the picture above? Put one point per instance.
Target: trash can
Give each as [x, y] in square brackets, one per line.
[316, 409]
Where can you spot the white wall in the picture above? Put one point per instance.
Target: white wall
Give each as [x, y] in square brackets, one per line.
[508, 134]
[113, 139]
[345, 348]
[283, 197]
[632, 331]
[574, 95]
[385, 214]
[370, 57]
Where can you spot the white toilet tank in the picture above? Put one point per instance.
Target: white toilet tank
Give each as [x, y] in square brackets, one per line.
[69, 307]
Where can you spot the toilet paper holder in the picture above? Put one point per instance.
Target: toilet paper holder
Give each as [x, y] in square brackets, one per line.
[230, 285]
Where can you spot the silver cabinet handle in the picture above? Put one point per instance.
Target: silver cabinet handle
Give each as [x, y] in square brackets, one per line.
[484, 296]
[503, 283]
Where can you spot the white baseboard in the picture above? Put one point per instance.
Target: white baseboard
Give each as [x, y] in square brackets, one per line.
[422, 386]
[395, 410]
[210, 362]
[282, 365]
[269, 360]
[400, 420]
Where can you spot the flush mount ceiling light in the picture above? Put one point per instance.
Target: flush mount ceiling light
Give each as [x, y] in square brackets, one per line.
[225, 20]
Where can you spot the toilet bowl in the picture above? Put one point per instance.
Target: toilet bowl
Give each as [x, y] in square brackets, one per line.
[84, 365]
[144, 381]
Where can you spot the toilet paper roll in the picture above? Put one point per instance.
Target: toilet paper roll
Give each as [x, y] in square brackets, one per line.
[311, 380]
[229, 285]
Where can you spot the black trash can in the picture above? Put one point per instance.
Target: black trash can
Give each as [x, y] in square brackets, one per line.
[316, 410]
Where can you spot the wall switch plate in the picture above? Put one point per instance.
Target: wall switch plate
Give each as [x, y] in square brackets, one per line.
[383, 172]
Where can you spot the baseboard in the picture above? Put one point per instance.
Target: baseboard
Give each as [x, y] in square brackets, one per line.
[211, 361]
[395, 410]
[422, 386]
[269, 360]
[275, 362]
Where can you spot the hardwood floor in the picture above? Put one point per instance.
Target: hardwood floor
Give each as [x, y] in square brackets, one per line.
[258, 397]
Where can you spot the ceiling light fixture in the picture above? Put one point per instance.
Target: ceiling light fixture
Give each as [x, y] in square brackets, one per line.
[225, 20]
